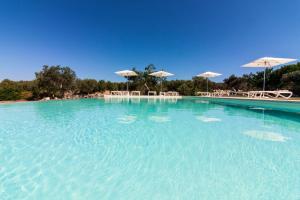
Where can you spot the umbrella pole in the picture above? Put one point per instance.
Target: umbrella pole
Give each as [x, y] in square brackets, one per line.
[127, 84]
[207, 86]
[264, 80]
[161, 83]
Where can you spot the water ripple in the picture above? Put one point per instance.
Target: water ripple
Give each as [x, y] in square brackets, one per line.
[266, 135]
[208, 119]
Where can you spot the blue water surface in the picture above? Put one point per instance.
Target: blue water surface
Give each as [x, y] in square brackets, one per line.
[147, 149]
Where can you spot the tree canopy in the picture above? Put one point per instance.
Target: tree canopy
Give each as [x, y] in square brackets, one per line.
[86, 86]
[54, 81]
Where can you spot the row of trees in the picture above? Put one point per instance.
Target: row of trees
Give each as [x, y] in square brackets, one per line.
[55, 81]
[286, 77]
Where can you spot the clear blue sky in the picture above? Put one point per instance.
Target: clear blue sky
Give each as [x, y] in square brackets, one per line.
[185, 37]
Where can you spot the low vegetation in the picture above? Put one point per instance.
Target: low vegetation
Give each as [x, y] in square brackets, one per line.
[55, 81]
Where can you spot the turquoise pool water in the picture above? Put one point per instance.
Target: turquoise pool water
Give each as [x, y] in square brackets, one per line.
[140, 149]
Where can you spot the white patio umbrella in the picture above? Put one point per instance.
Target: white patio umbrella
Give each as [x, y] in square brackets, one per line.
[268, 62]
[161, 74]
[126, 74]
[208, 75]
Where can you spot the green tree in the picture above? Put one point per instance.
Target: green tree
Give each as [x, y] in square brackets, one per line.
[186, 88]
[143, 81]
[200, 84]
[101, 86]
[86, 86]
[111, 86]
[9, 90]
[54, 81]
[291, 81]
[150, 81]
[237, 83]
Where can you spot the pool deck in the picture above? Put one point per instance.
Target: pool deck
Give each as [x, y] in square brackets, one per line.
[141, 97]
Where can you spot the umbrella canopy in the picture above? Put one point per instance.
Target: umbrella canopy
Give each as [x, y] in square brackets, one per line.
[208, 75]
[268, 62]
[161, 74]
[126, 73]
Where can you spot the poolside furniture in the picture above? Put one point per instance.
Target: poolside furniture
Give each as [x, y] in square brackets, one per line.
[215, 93]
[203, 93]
[254, 94]
[286, 94]
[221, 93]
[162, 93]
[238, 92]
[152, 93]
[172, 93]
[135, 93]
[225, 92]
[116, 93]
[125, 93]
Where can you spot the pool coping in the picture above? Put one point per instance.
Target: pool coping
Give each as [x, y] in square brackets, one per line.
[254, 99]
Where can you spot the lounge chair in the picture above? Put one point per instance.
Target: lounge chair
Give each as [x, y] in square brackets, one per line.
[172, 93]
[135, 93]
[162, 93]
[238, 92]
[203, 93]
[286, 94]
[125, 93]
[221, 93]
[116, 93]
[153, 93]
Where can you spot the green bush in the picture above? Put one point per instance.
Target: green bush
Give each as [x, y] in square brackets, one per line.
[8, 94]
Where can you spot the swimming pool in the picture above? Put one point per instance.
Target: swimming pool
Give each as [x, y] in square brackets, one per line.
[147, 149]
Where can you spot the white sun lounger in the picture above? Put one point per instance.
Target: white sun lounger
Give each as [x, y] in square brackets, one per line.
[286, 94]
[152, 93]
[221, 93]
[203, 93]
[116, 93]
[125, 93]
[171, 93]
[238, 92]
[162, 93]
[135, 93]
